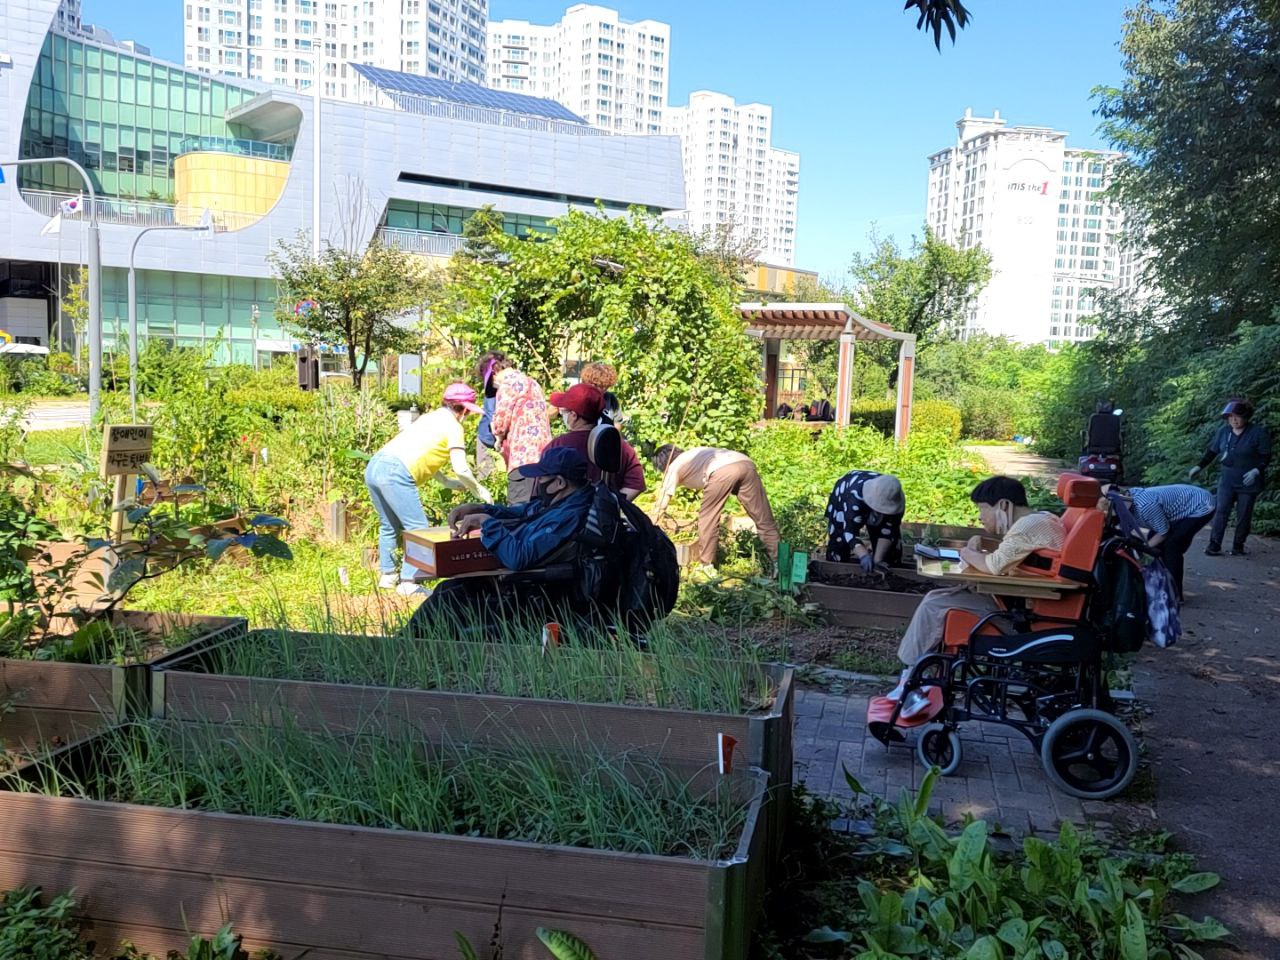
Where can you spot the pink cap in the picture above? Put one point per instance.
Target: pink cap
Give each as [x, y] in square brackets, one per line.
[461, 393]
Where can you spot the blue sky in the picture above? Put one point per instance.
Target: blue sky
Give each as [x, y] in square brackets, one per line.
[855, 89]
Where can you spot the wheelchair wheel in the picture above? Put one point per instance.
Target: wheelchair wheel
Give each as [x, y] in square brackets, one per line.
[939, 746]
[1089, 754]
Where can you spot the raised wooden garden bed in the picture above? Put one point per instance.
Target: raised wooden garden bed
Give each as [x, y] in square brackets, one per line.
[184, 688]
[858, 607]
[110, 689]
[29, 732]
[356, 893]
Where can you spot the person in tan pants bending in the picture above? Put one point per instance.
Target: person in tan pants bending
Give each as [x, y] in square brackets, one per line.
[718, 473]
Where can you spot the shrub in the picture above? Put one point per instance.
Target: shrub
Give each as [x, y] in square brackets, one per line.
[272, 393]
[992, 413]
[936, 416]
[880, 415]
[927, 416]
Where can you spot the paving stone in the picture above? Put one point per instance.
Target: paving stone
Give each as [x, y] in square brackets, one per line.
[999, 779]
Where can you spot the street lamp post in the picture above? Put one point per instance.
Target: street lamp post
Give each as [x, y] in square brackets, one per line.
[95, 277]
[315, 149]
[133, 311]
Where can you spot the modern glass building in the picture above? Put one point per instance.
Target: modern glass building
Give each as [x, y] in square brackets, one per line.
[162, 145]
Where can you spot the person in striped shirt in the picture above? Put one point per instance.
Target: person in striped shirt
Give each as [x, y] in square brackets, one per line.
[1172, 515]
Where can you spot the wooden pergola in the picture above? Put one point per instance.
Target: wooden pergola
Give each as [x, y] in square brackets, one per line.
[775, 322]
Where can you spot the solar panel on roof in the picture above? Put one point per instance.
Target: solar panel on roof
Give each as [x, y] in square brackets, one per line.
[471, 93]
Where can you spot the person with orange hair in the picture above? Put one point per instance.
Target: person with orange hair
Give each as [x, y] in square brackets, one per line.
[603, 377]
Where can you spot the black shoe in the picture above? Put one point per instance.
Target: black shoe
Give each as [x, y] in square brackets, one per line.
[1212, 551]
[1237, 552]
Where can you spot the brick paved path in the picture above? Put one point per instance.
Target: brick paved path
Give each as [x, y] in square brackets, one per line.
[999, 780]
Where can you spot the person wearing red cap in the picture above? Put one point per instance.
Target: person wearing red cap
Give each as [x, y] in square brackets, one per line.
[581, 406]
[417, 453]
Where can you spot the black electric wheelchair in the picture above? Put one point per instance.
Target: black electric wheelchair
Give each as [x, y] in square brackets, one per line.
[618, 571]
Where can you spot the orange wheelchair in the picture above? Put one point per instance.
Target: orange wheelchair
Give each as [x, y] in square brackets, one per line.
[1035, 664]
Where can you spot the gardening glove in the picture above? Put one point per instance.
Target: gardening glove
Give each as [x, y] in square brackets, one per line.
[1251, 477]
[867, 562]
[882, 567]
[1193, 473]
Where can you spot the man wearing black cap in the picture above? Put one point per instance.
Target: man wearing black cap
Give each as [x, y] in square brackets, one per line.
[524, 535]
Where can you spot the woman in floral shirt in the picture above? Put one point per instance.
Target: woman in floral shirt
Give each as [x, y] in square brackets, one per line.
[521, 428]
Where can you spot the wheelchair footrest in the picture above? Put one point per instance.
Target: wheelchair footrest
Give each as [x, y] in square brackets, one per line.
[880, 715]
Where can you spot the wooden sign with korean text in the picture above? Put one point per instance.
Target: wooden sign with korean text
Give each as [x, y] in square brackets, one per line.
[125, 448]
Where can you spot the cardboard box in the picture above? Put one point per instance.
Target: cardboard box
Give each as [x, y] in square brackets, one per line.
[436, 554]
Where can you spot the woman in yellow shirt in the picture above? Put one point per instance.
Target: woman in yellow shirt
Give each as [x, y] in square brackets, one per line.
[417, 453]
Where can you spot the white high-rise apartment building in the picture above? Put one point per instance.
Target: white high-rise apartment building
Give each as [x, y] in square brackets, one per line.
[734, 176]
[1036, 205]
[270, 40]
[611, 72]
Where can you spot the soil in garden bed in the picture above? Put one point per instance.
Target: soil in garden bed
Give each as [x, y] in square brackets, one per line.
[857, 649]
[889, 582]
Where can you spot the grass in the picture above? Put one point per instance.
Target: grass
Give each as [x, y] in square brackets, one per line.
[627, 804]
[867, 661]
[683, 667]
[309, 586]
[52, 447]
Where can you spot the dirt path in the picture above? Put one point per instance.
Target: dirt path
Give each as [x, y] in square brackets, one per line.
[1014, 460]
[1214, 737]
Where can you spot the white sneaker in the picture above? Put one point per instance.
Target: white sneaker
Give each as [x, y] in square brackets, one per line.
[896, 693]
[389, 581]
[408, 588]
[916, 702]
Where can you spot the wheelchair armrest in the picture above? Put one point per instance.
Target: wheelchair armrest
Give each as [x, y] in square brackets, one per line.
[549, 573]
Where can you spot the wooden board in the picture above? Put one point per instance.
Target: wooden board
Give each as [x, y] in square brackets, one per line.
[81, 687]
[1010, 585]
[354, 892]
[125, 448]
[676, 736]
[855, 607]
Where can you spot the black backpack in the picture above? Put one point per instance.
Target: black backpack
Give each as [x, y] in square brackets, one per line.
[651, 572]
[1121, 602]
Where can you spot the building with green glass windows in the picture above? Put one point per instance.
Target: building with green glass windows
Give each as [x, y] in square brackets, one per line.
[164, 144]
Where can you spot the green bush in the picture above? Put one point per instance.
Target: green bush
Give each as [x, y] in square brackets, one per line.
[880, 415]
[927, 416]
[991, 413]
[271, 393]
[936, 416]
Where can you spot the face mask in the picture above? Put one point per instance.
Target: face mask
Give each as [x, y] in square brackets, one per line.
[544, 495]
[564, 418]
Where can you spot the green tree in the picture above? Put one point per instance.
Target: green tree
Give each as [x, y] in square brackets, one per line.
[926, 290]
[366, 301]
[632, 292]
[936, 15]
[1197, 115]
[75, 307]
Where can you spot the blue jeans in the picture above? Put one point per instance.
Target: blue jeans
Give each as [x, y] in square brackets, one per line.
[395, 497]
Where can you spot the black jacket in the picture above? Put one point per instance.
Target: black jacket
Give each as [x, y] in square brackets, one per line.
[1250, 450]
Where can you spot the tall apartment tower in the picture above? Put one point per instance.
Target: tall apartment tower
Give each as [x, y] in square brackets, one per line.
[270, 40]
[611, 72]
[1037, 206]
[734, 176]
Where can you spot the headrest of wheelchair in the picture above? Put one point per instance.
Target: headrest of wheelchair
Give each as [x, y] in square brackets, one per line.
[604, 448]
[1075, 490]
